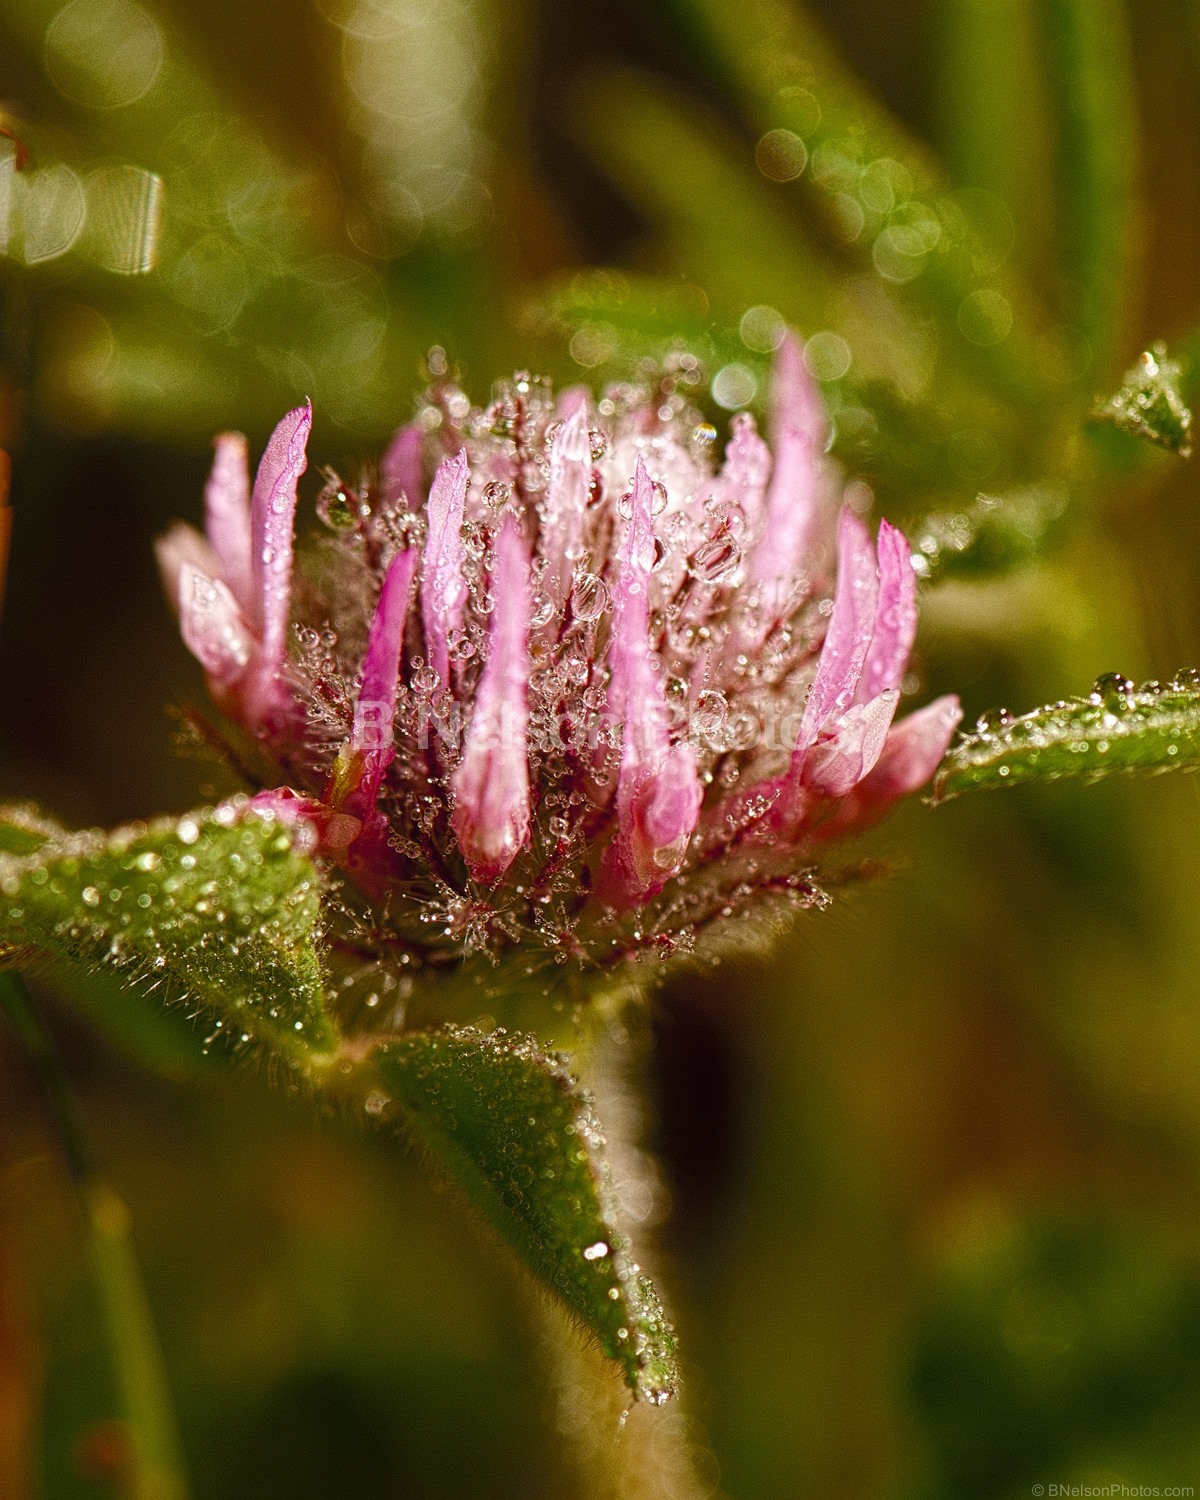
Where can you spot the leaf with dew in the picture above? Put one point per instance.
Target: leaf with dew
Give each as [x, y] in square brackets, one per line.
[507, 1124]
[1117, 727]
[1150, 403]
[219, 909]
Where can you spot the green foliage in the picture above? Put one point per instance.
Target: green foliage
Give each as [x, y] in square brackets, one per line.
[993, 534]
[1150, 404]
[218, 909]
[1089, 64]
[507, 1124]
[1117, 727]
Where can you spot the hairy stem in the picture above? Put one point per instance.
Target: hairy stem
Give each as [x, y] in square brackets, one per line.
[622, 1449]
[156, 1467]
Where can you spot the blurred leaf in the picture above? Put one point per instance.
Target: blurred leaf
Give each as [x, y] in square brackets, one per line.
[219, 909]
[1092, 89]
[509, 1127]
[900, 410]
[993, 534]
[877, 194]
[993, 117]
[1150, 403]
[153, 1466]
[725, 227]
[1117, 727]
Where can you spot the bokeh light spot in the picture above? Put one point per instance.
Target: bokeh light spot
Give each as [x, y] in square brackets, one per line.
[781, 155]
[734, 386]
[985, 317]
[104, 53]
[762, 328]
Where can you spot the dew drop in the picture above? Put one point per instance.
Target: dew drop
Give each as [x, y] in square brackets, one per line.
[589, 597]
[715, 560]
[1112, 689]
[337, 504]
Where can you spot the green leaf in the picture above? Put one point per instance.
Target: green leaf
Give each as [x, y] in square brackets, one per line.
[1150, 403]
[1091, 73]
[993, 534]
[1117, 727]
[218, 910]
[507, 1124]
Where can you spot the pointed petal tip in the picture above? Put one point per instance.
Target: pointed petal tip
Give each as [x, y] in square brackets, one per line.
[796, 401]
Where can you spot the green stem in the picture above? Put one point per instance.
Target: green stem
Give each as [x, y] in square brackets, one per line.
[622, 1449]
[156, 1465]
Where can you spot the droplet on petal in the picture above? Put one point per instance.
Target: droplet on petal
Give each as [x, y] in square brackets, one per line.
[272, 513]
[213, 627]
[895, 616]
[443, 589]
[491, 785]
[227, 517]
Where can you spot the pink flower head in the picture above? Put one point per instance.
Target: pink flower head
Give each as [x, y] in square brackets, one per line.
[559, 681]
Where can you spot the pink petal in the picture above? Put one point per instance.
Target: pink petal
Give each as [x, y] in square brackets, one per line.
[401, 469]
[851, 626]
[491, 785]
[213, 627]
[227, 517]
[658, 789]
[747, 467]
[834, 765]
[914, 750]
[570, 399]
[911, 754]
[566, 500]
[272, 512]
[895, 616]
[796, 401]
[443, 590]
[371, 739]
[183, 545]
[794, 499]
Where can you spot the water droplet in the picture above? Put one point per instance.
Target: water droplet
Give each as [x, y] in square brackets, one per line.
[716, 559]
[91, 896]
[658, 497]
[1112, 689]
[337, 504]
[597, 1251]
[709, 714]
[992, 720]
[497, 494]
[599, 444]
[589, 597]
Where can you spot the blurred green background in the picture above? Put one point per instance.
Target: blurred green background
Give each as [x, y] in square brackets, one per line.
[934, 1173]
